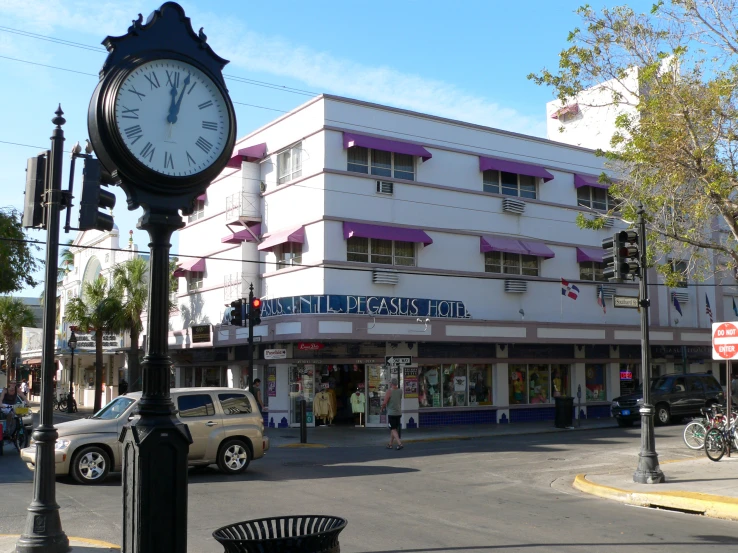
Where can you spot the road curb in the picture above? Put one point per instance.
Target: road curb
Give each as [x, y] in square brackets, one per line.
[715, 506]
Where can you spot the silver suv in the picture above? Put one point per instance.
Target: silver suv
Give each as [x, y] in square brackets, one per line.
[226, 426]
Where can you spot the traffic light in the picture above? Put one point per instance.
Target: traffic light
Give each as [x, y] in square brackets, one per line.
[255, 312]
[94, 197]
[628, 254]
[33, 205]
[237, 317]
[611, 259]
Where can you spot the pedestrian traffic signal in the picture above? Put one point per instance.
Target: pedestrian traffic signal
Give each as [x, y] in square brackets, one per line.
[255, 312]
[237, 317]
[94, 198]
[33, 205]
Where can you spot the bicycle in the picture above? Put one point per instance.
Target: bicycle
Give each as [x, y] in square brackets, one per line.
[721, 438]
[17, 435]
[694, 433]
[64, 403]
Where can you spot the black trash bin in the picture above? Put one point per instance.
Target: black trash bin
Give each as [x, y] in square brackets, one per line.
[298, 534]
[564, 412]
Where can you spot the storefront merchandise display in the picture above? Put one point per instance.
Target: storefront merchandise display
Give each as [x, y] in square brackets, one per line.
[480, 385]
[518, 389]
[595, 382]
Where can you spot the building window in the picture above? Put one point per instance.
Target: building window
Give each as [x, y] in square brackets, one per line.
[510, 184]
[595, 198]
[595, 382]
[679, 268]
[537, 383]
[510, 263]
[289, 164]
[455, 385]
[592, 270]
[194, 282]
[382, 252]
[199, 212]
[381, 163]
[288, 254]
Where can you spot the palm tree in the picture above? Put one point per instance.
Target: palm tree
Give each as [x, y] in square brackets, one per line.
[66, 260]
[14, 315]
[98, 309]
[131, 282]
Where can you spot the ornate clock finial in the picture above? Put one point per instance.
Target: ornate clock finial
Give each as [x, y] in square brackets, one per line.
[59, 120]
[137, 24]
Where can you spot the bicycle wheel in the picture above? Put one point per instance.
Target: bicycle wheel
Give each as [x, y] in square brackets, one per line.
[63, 405]
[714, 444]
[20, 438]
[694, 435]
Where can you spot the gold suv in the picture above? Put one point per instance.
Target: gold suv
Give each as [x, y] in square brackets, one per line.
[226, 426]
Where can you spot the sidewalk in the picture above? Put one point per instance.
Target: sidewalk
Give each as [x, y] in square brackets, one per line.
[351, 436]
[77, 545]
[697, 486]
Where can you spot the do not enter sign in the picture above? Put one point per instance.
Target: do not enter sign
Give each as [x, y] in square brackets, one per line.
[725, 341]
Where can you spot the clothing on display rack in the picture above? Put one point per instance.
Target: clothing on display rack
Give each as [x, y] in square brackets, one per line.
[358, 402]
[323, 407]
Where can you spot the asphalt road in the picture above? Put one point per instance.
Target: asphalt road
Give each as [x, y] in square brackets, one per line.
[493, 494]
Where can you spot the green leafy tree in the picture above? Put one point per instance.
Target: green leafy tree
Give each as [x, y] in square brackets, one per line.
[14, 315]
[131, 283]
[99, 310]
[672, 76]
[18, 261]
[66, 260]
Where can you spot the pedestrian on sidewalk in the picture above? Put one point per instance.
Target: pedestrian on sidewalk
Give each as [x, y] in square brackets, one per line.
[393, 403]
[256, 392]
[122, 387]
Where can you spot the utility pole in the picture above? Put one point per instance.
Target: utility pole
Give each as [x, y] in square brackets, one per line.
[648, 471]
[251, 336]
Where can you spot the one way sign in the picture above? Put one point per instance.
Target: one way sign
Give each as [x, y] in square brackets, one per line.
[394, 361]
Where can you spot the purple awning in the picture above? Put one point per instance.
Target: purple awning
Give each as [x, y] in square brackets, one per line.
[382, 232]
[590, 254]
[243, 235]
[296, 234]
[514, 167]
[203, 197]
[492, 243]
[251, 153]
[385, 144]
[193, 265]
[589, 180]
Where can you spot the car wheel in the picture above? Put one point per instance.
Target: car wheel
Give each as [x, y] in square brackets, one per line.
[91, 465]
[663, 416]
[624, 423]
[234, 457]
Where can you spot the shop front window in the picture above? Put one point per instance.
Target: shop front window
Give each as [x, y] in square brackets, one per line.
[628, 378]
[454, 386]
[429, 386]
[480, 385]
[518, 378]
[539, 382]
[595, 382]
[301, 382]
[560, 381]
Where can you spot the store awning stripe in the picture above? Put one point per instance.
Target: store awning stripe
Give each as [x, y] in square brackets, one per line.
[383, 232]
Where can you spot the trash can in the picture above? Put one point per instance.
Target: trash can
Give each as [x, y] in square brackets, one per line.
[298, 534]
[564, 412]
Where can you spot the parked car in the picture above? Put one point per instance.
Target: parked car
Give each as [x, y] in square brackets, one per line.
[673, 396]
[225, 423]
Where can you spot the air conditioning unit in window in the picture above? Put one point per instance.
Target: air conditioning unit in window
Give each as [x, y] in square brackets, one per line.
[384, 187]
[516, 286]
[510, 205]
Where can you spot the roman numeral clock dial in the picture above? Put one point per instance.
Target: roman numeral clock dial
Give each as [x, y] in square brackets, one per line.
[172, 118]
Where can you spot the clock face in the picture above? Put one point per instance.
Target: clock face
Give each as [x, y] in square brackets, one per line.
[172, 117]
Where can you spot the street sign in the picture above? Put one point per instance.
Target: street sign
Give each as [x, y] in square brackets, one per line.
[630, 302]
[394, 360]
[725, 341]
[257, 339]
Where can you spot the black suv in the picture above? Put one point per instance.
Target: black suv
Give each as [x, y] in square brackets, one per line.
[673, 396]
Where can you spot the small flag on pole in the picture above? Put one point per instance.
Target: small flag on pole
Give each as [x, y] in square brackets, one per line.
[569, 290]
[708, 309]
[675, 300]
[601, 299]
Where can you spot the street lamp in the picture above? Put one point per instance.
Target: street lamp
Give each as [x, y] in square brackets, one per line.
[72, 343]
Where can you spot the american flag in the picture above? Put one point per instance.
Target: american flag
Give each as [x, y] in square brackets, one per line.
[569, 290]
[708, 309]
[601, 299]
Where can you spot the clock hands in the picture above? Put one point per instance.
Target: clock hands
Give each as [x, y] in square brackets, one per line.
[174, 106]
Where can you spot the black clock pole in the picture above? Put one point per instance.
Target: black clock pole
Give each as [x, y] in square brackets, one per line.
[155, 446]
[44, 532]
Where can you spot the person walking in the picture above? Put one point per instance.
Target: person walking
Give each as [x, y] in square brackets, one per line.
[256, 392]
[122, 387]
[393, 403]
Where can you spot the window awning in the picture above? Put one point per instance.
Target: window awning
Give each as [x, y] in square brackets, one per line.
[518, 167]
[243, 235]
[251, 153]
[589, 180]
[491, 243]
[571, 108]
[382, 232]
[34, 361]
[193, 265]
[590, 254]
[296, 234]
[203, 197]
[351, 139]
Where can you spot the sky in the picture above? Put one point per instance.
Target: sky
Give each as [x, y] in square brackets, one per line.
[466, 60]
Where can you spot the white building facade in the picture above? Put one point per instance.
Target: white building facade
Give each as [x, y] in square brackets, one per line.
[373, 233]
